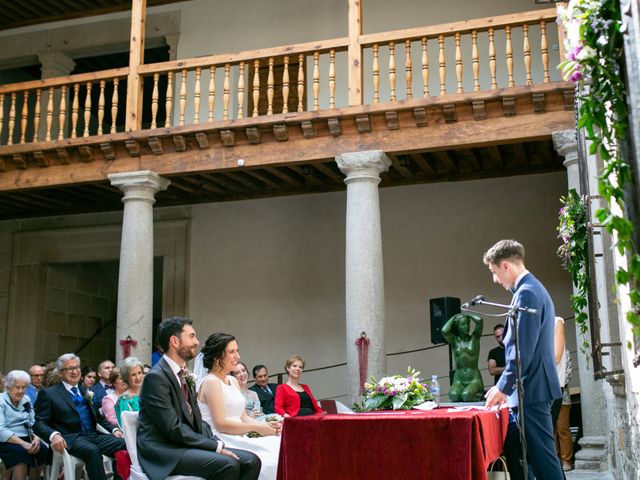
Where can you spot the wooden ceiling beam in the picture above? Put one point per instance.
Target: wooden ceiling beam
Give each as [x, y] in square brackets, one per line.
[327, 171]
[263, 177]
[240, 177]
[307, 173]
[290, 180]
[402, 170]
[204, 184]
[422, 163]
[225, 182]
[445, 161]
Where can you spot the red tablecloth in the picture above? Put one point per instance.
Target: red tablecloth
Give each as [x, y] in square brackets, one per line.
[409, 444]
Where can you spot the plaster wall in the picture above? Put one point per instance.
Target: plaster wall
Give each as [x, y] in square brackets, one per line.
[271, 272]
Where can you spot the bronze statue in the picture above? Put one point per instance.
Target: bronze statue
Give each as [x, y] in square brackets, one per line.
[467, 381]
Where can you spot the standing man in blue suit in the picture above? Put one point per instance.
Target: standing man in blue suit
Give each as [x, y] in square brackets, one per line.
[539, 378]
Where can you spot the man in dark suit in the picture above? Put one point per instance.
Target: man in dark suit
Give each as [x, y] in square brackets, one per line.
[539, 377]
[67, 417]
[172, 439]
[102, 387]
[266, 391]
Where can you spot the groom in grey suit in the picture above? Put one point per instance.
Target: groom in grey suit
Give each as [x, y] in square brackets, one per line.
[172, 439]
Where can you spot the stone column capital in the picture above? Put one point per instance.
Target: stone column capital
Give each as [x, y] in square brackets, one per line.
[566, 144]
[363, 166]
[142, 185]
[55, 64]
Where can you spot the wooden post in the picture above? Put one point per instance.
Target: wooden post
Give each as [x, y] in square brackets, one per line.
[355, 52]
[136, 58]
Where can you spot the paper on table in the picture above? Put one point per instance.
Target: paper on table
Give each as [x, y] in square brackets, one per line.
[426, 406]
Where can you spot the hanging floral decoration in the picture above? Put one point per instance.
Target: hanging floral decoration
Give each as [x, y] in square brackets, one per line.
[594, 44]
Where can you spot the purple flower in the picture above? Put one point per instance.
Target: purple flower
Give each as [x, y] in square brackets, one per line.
[575, 76]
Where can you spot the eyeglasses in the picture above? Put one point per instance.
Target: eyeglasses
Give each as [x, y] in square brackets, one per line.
[70, 369]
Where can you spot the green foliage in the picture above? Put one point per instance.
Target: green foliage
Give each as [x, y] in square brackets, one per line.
[595, 47]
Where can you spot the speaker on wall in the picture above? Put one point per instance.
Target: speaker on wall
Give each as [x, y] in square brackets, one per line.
[442, 309]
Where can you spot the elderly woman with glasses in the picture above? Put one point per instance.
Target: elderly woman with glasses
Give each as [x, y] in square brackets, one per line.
[132, 373]
[20, 449]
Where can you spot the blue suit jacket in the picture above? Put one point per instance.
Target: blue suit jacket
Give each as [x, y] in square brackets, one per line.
[98, 393]
[539, 378]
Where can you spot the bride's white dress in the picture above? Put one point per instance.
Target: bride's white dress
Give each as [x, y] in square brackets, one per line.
[267, 448]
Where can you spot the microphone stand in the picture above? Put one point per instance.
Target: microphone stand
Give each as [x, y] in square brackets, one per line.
[512, 313]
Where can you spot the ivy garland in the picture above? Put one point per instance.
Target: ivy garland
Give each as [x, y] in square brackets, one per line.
[574, 253]
[594, 44]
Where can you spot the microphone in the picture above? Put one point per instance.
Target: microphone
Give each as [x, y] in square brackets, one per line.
[477, 300]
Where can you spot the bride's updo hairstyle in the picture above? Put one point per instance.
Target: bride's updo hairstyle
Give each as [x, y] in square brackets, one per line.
[214, 348]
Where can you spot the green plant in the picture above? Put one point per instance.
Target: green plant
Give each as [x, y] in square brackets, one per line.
[595, 57]
[574, 252]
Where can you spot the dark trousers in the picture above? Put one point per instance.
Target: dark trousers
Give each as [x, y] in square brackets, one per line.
[216, 466]
[89, 447]
[541, 453]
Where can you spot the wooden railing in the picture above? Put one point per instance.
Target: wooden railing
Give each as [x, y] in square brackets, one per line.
[65, 107]
[454, 58]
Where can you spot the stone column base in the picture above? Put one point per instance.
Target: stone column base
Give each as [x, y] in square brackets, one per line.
[593, 455]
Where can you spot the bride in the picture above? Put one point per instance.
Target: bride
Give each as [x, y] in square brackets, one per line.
[223, 405]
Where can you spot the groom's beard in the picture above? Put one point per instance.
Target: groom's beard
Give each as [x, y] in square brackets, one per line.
[186, 353]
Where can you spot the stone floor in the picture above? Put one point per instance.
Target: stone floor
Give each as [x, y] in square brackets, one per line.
[585, 475]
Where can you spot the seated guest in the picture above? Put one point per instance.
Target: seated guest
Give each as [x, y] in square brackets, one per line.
[223, 405]
[172, 438]
[109, 401]
[66, 417]
[51, 375]
[295, 398]
[131, 374]
[36, 372]
[89, 376]
[20, 450]
[266, 391]
[103, 386]
[253, 407]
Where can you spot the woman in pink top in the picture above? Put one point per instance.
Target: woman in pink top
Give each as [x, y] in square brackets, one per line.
[109, 402]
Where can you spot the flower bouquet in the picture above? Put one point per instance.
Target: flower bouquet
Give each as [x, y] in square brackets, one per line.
[395, 393]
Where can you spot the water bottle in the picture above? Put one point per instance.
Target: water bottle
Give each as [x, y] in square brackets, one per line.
[434, 388]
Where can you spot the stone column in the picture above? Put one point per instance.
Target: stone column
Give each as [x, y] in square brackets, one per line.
[593, 455]
[135, 282]
[363, 258]
[55, 64]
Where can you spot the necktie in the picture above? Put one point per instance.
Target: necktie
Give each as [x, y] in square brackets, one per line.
[267, 390]
[77, 397]
[184, 388]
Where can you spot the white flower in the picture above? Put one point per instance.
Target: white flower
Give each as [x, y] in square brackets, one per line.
[586, 53]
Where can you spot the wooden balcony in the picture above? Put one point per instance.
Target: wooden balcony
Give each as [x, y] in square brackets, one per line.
[465, 100]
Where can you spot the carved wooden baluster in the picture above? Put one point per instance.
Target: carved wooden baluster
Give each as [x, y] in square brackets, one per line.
[87, 110]
[24, 115]
[270, 87]
[154, 101]
[392, 71]
[458, 62]
[425, 68]
[300, 82]
[169, 100]
[241, 90]
[101, 107]
[256, 87]
[62, 116]
[212, 91]
[316, 80]
[226, 91]
[509, 51]
[332, 78]
[376, 75]
[285, 85]
[196, 97]
[75, 110]
[12, 118]
[441, 62]
[475, 57]
[527, 53]
[544, 49]
[183, 96]
[49, 115]
[492, 59]
[36, 115]
[408, 68]
[114, 105]
[1, 112]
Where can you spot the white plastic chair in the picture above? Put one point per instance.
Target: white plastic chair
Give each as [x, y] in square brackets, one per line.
[68, 462]
[130, 429]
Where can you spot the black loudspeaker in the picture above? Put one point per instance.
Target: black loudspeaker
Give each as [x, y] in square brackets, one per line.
[442, 309]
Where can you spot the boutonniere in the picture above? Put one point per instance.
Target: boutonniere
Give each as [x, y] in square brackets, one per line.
[190, 378]
[89, 396]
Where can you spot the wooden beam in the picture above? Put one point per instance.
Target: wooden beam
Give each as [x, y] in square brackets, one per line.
[136, 58]
[307, 174]
[405, 172]
[289, 179]
[327, 171]
[444, 159]
[263, 177]
[422, 163]
[354, 23]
